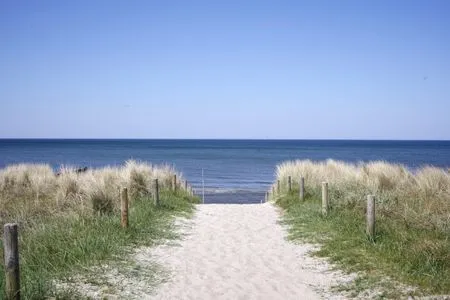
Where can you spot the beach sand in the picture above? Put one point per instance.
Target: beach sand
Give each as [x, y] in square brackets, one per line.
[232, 251]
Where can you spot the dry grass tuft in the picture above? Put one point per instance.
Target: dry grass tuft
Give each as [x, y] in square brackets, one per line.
[29, 190]
[421, 199]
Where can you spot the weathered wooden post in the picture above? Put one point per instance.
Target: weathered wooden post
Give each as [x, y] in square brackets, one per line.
[289, 184]
[156, 192]
[370, 229]
[186, 185]
[278, 187]
[174, 182]
[124, 208]
[11, 254]
[266, 197]
[325, 200]
[302, 188]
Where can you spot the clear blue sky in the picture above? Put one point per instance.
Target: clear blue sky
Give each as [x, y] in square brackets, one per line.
[225, 69]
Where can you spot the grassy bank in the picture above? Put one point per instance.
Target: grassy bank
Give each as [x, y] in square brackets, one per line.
[412, 241]
[61, 234]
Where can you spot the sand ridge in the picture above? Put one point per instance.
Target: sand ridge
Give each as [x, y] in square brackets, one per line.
[232, 251]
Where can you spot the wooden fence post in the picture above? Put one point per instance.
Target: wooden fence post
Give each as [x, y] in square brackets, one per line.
[289, 184]
[325, 200]
[156, 192]
[278, 187]
[186, 185]
[174, 182]
[302, 188]
[370, 229]
[124, 208]
[11, 253]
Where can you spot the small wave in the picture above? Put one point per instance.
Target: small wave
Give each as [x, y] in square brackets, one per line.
[231, 196]
[229, 190]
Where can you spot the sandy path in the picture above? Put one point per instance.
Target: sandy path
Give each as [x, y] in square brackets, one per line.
[240, 252]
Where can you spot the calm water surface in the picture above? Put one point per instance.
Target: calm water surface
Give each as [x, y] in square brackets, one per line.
[246, 166]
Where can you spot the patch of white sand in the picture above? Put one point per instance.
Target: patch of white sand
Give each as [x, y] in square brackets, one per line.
[232, 251]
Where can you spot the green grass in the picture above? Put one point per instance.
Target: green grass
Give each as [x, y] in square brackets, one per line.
[412, 256]
[58, 248]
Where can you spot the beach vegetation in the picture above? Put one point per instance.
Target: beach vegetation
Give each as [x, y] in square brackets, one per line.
[412, 239]
[69, 222]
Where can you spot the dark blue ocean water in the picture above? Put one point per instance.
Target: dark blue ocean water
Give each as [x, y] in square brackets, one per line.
[229, 165]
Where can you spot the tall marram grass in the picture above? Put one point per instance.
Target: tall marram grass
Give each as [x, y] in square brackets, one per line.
[420, 198]
[62, 233]
[412, 241]
[28, 190]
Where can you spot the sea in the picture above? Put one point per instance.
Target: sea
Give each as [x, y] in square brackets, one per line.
[221, 171]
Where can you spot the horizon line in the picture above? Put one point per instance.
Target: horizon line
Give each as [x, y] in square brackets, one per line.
[226, 139]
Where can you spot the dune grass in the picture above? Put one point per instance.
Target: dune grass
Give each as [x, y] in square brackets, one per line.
[60, 233]
[29, 190]
[412, 242]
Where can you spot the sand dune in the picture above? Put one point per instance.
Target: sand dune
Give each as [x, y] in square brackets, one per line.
[235, 251]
